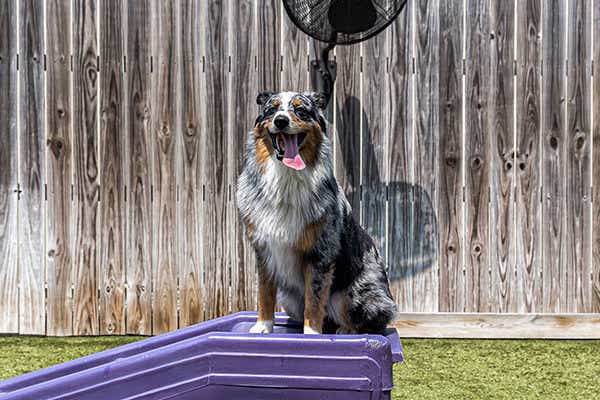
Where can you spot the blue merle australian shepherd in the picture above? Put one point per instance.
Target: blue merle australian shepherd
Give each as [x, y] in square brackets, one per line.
[312, 256]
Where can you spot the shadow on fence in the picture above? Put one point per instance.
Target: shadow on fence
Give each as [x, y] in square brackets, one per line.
[413, 229]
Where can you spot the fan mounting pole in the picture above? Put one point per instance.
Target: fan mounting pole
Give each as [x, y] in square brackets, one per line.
[323, 80]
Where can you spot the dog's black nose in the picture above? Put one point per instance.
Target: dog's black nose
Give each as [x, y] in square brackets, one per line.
[281, 121]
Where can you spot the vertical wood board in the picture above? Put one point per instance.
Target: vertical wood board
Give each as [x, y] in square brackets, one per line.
[85, 167]
[139, 153]
[528, 156]
[59, 205]
[450, 203]
[9, 273]
[113, 169]
[402, 271]
[576, 167]
[553, 142]
[502, 152]
[165, 135]
[477, 157]
[32, 169]
[190, 265]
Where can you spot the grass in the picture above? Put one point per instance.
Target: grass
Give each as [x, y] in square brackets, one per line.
[435, 369]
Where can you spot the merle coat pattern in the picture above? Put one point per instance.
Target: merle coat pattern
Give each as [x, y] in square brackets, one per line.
[319, 263]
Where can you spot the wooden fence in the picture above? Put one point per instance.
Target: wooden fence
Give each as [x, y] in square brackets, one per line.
[466, 136]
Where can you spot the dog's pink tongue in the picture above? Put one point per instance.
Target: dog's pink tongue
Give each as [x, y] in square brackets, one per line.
[291, 158]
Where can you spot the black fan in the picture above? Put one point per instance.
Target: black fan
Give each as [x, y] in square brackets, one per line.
[341, 22]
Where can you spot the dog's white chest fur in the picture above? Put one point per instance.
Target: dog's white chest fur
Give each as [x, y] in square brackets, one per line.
[287, 205]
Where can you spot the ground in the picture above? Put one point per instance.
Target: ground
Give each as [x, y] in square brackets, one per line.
[435, 369]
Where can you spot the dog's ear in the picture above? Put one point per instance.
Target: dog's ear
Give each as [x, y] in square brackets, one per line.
[262, 97]
[318, 99]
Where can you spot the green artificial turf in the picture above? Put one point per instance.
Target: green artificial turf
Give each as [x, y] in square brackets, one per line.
[498, 369]
[435, 369]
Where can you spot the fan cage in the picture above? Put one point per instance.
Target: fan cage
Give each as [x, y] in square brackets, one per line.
[311, 17]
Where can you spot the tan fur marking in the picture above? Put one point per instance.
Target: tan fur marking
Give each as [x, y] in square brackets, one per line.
[250, 229]
[310, 235]
[315, 303]
[267, 295]
[276, 103]
[264, 150]
[297, 102]
[311, 144]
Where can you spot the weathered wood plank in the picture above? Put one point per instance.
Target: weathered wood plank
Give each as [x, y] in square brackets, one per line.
[500, 130]
[188, 220]
[294, 57]
[112, 168]
[269, 44]
[553, 154]
[596, 164]
[32, 169]
[450, 205]
[243, 86]
[401, 263]
[9, 266]
[346, 135]
[498, 326]
[165, 137]
[477, 156]
[139, 178]
[374, 174]
[59, 237]
[527, 163]
[426, 140]
[214, 144]
[576, 168]
[85, 168]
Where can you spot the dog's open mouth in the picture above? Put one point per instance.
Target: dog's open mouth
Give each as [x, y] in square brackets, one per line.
[288, 149]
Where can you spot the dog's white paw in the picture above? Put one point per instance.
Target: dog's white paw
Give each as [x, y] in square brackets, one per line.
[262, 327]
[310, 331]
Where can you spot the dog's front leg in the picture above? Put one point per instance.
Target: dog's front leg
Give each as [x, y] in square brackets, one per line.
[267, 295]
[317, 284]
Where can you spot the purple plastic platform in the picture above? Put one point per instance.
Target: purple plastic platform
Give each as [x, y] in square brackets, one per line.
[218, 359]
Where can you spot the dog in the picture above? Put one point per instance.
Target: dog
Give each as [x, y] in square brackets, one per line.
[312, 256]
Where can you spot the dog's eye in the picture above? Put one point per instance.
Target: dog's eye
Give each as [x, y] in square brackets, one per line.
[270, 110]
[302, 113]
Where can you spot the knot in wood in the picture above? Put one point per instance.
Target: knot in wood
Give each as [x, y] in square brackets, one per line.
[580, 142]
[140, 289]
[451, 249]
[451, 161]
[56, 146]
[91, 73]
[553, 142]
[61, 113]
[164, 130]
[477, 249]
[476, 162]
[191, 129]
[110, 328]
[507, 165]
[522, 166]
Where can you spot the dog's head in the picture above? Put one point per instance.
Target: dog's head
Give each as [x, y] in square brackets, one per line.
[294, 123]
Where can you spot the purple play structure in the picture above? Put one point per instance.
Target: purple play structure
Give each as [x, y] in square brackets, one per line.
[218, 359]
